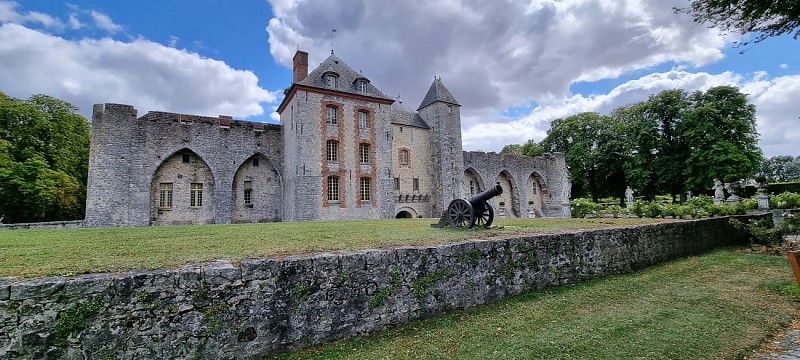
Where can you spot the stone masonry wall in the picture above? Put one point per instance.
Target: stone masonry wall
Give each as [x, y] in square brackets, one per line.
[265, 306]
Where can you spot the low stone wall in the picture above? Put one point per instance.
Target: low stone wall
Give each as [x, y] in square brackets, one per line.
[264, 306]
[71, 224]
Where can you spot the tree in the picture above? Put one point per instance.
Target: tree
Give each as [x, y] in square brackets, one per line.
[780, 168]
[720, 135]
[530, 148]
[590, 149]
[766, 18]
[44, 152]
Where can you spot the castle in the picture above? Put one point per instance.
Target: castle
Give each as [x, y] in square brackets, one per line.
[343, 150]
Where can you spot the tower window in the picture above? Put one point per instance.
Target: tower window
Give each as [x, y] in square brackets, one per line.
[365, 184]
[331, 118]
[363, 152]
[333, 188]
[255, 161]
[416, 184]
[186, 158]
[397, 183]
[165, 195]
[363, 120]
[196, 195]
[332, 151]
[403, 157]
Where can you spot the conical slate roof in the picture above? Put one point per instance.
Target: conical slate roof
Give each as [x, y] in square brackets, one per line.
[346, 81]
[438, 92]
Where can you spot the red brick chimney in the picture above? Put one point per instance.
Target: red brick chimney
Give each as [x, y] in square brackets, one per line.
[300, 65]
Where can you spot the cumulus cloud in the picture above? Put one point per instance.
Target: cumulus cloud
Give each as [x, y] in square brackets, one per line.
[10, 14]
[142, 73]
[491, 56]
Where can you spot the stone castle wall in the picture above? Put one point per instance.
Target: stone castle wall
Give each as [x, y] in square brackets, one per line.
[264, 306]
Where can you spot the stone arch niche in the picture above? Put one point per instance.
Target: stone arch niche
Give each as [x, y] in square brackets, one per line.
[535, 190]
[473, 183]
[182, 191]
[258, 177]
[406, 213]
[509, 195]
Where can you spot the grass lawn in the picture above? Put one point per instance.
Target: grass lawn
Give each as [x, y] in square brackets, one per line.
[720, 305]
[31, 253]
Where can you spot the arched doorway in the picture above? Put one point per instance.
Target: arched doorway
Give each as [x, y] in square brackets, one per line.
[404, 215]
[535, 191]
[256, 191]
[509, 195]
[182, 191]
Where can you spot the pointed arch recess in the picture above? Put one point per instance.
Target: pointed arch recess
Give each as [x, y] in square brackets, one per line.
[182, 190]
[256, 191]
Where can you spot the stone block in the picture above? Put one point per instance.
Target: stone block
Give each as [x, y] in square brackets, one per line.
[260, 269]
[5, 287]
[221, 273]
[37, 288]
[87, 284]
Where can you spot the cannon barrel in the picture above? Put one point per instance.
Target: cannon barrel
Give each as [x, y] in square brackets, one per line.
[487, 194]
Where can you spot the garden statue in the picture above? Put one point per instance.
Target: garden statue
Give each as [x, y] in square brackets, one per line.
[719, 195]
[761, 190]
[732, 184]
[629, 197]
[689, 195]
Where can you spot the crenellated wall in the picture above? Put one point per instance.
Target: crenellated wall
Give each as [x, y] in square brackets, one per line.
[265, 306]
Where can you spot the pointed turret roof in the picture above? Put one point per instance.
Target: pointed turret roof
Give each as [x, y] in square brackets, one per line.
[438, 92]
[347, 78]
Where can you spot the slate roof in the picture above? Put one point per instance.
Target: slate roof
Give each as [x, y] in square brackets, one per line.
[402, 115]
[346, 81]
[438, 92]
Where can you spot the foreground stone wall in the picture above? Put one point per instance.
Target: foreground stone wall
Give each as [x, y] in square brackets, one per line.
[265, 306]
[68, 224]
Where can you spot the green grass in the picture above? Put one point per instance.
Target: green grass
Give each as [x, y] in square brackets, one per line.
[31, 253]
[717, 306]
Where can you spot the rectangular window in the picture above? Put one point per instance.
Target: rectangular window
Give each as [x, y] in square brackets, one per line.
[255, 162]
[330, 80]
[186, 158]
[332, 115]
[165, 195]
[196, 195]
[363, 120]
[363, 153]
[364, 189]
[397, 183]
[472, 187]
[332, 151]
[416, 184]
[248, 192]
[362, 86]
[333, 188]
[404, 157]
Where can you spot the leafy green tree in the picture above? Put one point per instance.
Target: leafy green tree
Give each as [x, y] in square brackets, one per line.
[780, 168]
[592, 151]
[44, 151]
[667, 109]
[766, 18]
[720, 135]
[530, 148]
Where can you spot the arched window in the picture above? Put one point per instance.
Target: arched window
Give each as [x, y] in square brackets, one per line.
[331, 117]
[332, 151]
[365, 187]
[333, 188]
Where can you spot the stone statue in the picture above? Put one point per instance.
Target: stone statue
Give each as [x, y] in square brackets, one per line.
[629, 196]
[719, 195]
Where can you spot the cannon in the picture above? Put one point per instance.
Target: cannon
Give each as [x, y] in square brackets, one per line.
[470, 212]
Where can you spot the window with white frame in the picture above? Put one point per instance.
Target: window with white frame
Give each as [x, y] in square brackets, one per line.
[331, 80]
[332, 151]
[165, 195]
[333, 188]
[332, 115]
[196, 195]
[403, 157]
[365, 184]
[363, 153]
[361, 86]
[363, 120]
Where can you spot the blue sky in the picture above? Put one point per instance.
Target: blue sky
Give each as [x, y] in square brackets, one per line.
[514, 68]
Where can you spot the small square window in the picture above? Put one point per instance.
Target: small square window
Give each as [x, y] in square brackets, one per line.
[186, 158]
[255, 161]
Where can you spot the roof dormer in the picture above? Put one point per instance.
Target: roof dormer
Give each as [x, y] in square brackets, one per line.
[361, 84]
[331, 79]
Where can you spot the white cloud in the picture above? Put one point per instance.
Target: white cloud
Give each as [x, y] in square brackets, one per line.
[9, 14]
[104, 22]
[142, 73]
[784, 66]
[74, 23]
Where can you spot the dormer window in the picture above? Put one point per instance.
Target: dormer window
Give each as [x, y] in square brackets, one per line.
[331, 79]
[361, 84]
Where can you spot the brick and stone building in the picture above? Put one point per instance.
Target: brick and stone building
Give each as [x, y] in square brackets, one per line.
[343, 150]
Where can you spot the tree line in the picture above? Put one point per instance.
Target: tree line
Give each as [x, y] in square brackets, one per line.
[44, 159]
[671, 143]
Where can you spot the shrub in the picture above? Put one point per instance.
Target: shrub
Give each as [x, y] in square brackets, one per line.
[615, 210]
[785, 200]
[638, 208]
[761, 179]
[731, 178]
[654, 210]
[700, 201]
[581, 207]
[748, 204]
[761, 231]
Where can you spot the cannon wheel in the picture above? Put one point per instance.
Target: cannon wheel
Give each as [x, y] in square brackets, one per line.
[459, 214]
[484, 217]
